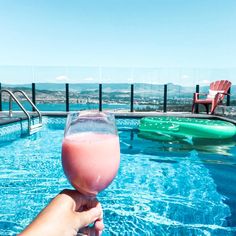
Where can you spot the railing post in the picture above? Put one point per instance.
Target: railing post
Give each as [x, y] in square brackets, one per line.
[67, 98]
[228, 98]
[196, 105]
[165, 98]
[10, 106]
[100, 97]
[0, 97]
[131, 98]
[33, 96]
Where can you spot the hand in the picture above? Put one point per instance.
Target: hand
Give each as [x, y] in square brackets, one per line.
[67, 214]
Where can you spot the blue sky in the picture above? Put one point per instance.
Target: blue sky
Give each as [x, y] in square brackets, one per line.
[118, 33]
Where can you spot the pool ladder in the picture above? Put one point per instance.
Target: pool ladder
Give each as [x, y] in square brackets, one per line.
[32, 128]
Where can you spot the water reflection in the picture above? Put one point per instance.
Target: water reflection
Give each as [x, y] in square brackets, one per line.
[178, 146]
[221, 147]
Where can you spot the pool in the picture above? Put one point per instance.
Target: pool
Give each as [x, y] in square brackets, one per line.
[162, 188]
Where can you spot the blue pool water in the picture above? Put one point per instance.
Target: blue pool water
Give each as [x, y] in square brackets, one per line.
[161, 189]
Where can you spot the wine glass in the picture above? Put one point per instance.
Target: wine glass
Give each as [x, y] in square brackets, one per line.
[90, 151]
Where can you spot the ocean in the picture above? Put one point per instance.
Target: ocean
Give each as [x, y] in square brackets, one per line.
[76, 107]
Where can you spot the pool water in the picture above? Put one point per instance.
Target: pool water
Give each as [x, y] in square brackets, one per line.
[162, 188]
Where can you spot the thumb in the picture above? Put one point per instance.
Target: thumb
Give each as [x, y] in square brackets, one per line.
[87, 217]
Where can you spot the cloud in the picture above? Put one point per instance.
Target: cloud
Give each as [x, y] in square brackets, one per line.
[62, 78]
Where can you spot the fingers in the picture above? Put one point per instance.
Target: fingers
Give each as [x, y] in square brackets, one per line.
[99, 225]
[86, 211]
[77, 200]
[89, 216]
[96, 230]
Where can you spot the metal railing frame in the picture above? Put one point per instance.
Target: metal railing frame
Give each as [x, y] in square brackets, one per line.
[100, 97]
[67, 102]
[12, 96]
[131, 98]
[67, 98]
[0, 97]
[30, 102]
[197, 91]
[33, 96]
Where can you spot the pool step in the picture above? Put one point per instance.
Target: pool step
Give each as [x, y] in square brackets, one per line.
[35, 128]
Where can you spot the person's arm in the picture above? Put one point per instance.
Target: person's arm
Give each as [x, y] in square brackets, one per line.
[66, 214]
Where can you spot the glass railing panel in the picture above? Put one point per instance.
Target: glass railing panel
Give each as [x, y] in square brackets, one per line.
[179, 98]
[82, 75]
[115, 88]
[231, 111]
[180, 92]
[15, 75]
[148, 97]
[232, 76]
[13, 87]
[50, 74]
[50, 96]
[233, 96]
[50, 87]
[119, 75]
[83, 96]
[148, 91]
[116, 97]
[83, 88]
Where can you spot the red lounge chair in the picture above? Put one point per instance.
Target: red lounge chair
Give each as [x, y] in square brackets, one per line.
[217, 91]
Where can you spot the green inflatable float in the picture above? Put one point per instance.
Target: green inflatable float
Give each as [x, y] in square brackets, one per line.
[170, 128]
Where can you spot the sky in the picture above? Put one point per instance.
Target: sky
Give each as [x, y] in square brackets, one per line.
[53, 41]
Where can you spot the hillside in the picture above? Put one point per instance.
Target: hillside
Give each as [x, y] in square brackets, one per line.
[143, 89]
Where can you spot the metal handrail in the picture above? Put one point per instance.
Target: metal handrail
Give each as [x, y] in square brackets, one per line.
[18, 103]
[31, 103]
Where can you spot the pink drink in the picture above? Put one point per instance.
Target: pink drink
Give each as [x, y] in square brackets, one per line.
[90, 160]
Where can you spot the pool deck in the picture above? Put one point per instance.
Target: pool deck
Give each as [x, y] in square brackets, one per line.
[18, 116]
